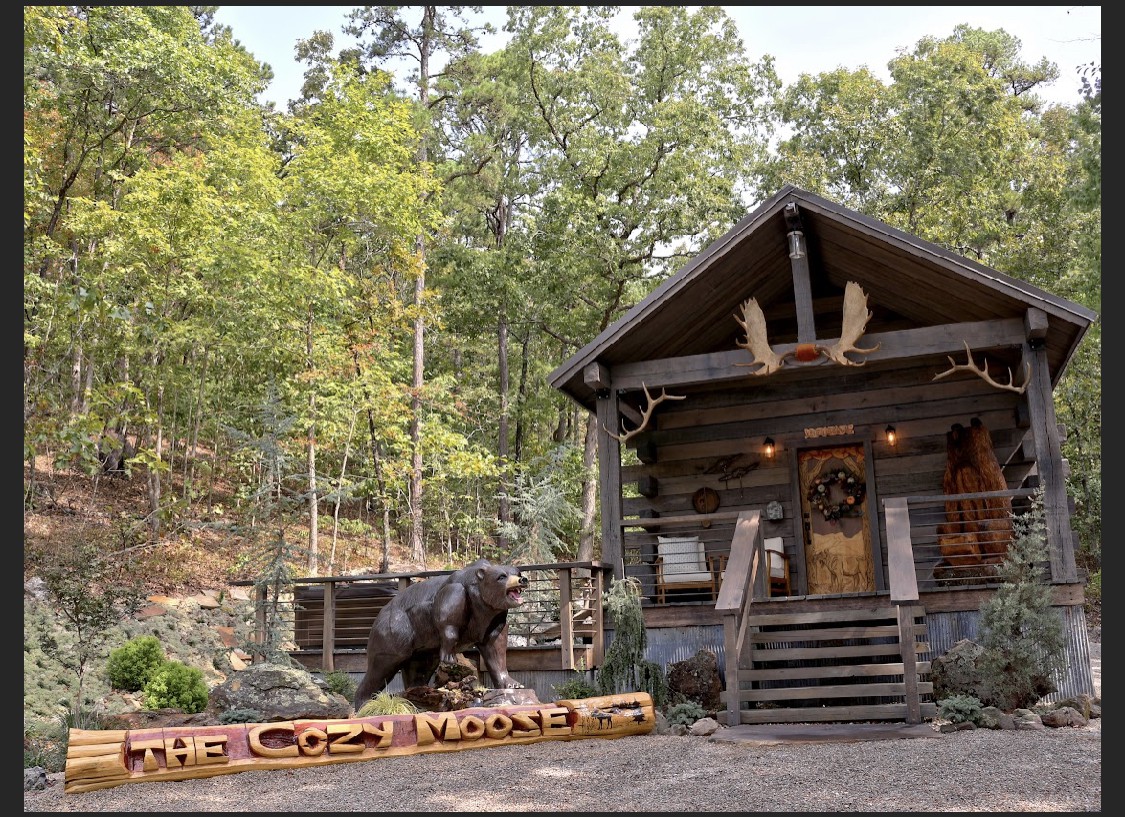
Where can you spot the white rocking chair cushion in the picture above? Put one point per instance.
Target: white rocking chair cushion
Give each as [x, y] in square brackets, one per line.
[684, 559]
[775, 549]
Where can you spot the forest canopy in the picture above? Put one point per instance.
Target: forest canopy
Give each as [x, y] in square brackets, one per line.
[355, 302]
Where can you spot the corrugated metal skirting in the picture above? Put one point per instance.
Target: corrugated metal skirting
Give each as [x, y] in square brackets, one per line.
[946, 629]
[668, 645]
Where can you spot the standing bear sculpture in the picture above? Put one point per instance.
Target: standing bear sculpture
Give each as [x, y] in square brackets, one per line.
[431, 621]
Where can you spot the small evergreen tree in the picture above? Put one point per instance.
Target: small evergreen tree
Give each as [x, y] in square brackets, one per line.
[625, 668]
[1021, 633]
[277, 505]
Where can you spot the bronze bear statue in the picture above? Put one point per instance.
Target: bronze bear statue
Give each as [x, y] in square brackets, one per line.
[429, 622]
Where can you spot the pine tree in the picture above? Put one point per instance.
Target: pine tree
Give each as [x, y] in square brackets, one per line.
[1021, 633]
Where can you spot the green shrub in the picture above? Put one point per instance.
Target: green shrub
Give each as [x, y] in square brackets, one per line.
[132, 664]
[176, 686]
[45, 744]
[960, 709]
[341, 683]
[386, 704]
[240, 716]
[686, 713]
[575, 687]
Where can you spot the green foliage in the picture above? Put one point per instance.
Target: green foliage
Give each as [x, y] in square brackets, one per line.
[240, 716]
[386, 703]
[686, 712]
[175, 685]
[341, 683]
[90, 592]
[575, 687]
[1021, 633]
[960, 709]
[45, 744]
[542, 511]
[625, 668]
[132, 664]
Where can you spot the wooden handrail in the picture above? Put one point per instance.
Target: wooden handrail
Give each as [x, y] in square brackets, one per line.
[900, 551]
[735, 596]
[693, 519]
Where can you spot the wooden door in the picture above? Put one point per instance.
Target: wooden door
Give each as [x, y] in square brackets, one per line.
[838, 555]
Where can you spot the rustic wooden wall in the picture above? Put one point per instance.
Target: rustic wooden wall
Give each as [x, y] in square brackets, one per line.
[691, 436]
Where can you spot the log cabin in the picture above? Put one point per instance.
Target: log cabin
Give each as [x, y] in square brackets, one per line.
[778, 431]
[784, 431]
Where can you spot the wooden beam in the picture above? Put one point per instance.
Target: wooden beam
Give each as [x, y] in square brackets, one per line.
[802, 285]
[596, 376]
[716, 367]
[1035, 322]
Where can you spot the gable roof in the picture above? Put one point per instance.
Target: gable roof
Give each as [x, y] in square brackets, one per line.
[909, 282]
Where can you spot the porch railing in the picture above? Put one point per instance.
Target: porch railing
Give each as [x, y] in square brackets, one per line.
[330, 615]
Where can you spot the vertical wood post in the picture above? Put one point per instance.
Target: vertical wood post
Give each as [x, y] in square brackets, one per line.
[909, 662]
[566, 619]
[328, 658]
[1048, 464]
[609, 464]
[598, 644]
[262, 598]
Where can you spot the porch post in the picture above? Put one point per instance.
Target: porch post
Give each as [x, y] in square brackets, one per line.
[328, 658]
[1048, 452]
[609, 465]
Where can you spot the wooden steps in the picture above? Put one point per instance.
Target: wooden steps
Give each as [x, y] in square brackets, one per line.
[843, 666]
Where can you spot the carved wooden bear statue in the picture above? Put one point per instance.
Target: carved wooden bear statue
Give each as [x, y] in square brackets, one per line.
[429, 622]
[977, 530]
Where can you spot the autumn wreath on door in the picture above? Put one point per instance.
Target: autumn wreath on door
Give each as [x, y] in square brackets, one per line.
[838, 556]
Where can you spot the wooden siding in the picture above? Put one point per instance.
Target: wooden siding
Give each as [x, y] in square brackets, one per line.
[689, 439]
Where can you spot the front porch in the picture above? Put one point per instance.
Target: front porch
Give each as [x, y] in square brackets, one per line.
[799, 658]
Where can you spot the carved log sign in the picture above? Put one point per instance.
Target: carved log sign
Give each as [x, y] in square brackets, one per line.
[102, 759]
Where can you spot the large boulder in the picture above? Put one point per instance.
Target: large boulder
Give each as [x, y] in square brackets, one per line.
[958, 671]
[280, 693]
[697, 679]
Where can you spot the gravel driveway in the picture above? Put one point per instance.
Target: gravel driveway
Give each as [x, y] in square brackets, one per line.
[978, 770]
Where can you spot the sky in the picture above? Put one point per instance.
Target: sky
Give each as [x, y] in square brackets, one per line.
[802, 39]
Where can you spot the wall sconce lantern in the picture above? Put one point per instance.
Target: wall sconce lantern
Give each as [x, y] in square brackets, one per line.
[768, 447]
[892, 435]
[796, 244]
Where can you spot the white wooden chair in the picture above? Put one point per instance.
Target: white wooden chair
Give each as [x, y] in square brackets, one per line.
[778, 561]
[682, 563]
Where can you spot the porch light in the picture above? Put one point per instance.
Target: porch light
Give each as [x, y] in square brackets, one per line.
[796, 244]
[892, 435]
[767, 447]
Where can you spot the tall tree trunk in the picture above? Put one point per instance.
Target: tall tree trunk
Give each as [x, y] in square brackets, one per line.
[377, 464]
[504, 510]
[314, 504]
[522, 391]
[417, 543]
[339, 495]
[153, 474]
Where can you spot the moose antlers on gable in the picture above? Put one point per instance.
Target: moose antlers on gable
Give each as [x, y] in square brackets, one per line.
[647, 412]
[856, 316]
[982, 371]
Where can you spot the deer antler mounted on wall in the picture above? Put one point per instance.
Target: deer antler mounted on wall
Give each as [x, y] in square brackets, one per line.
[646, 414]
[982, 371]
[856, 316]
